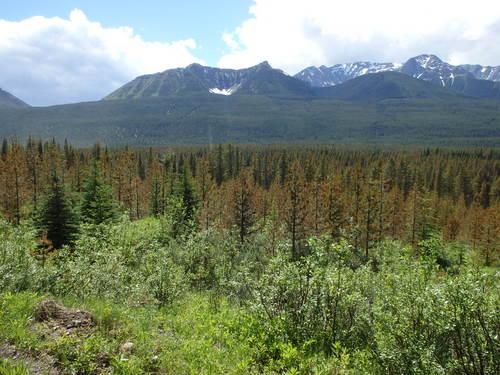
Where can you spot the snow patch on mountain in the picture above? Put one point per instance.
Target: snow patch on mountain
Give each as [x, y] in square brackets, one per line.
[215, 90]
[224, 91]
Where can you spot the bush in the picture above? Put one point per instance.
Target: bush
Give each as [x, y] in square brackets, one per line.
[428, 325]
[165, 280]
[316, 300]
[120, 261]
[18, 269]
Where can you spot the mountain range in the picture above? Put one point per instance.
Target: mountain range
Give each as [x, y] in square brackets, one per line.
[262, 79]
[424, 101]
[425, 67]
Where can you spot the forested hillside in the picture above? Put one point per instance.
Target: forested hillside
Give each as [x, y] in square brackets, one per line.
[211, 119]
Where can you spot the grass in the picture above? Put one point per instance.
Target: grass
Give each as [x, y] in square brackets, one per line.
[15, 317]
[10, 367]
[191, 337]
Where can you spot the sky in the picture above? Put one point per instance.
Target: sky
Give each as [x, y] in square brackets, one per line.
[66, 51]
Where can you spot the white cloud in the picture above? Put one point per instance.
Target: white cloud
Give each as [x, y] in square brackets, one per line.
[53, 60]
[293, 34]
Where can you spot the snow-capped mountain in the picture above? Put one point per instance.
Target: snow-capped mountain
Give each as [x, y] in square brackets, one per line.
[425, 67]
[337, 74]
[262, 79]
[488, 73]
[259, 79]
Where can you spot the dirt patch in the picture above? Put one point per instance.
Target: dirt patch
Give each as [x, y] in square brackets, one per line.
[8, 351]
[53, 322]
[50, 311]
[42, 364]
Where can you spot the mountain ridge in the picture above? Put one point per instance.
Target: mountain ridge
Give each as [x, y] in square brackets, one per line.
[260, 79]
[7, 100]
[386, 85]
[426, 67]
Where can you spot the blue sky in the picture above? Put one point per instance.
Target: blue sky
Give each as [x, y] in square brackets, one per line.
[65, 51]
[155, 20]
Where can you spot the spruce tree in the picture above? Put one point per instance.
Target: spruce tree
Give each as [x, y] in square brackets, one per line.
[185, 205]
[5, 148]
[156, 200]
[188, 197]
[55, 219]
[98, 206]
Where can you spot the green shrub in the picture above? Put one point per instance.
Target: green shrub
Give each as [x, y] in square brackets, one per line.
[425, 324]
[165, 280]
[18, 268]
[316, 300]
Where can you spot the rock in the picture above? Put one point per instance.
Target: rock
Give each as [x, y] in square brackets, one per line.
[128, 347]
[74, 324]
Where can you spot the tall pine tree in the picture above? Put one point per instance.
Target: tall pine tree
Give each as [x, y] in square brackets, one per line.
[55, 220]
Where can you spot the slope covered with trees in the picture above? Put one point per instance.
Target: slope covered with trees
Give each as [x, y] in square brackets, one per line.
[209, 119]
[386, 85]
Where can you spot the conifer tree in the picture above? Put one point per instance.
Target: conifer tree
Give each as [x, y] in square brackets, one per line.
[219, 167]
[98, 205]
[14, 179]
[141, 169]
[489, 243]
[185, 205]
[295, 208]
[369, 211]
[188, 196]
[156, 189]
[244, 212]
[33, 161]
[206, 188]
[334, 209]
[5, 147]
[55, 220]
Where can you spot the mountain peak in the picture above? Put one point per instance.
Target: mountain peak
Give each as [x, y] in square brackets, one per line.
[7, 100]
[427, 57]
[260, 79]
[264, 64]
[427, 67]
[428, 61]
[194, 65]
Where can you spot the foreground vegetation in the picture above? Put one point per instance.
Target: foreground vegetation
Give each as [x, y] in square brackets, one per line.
[223, 270]
[205, 303]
